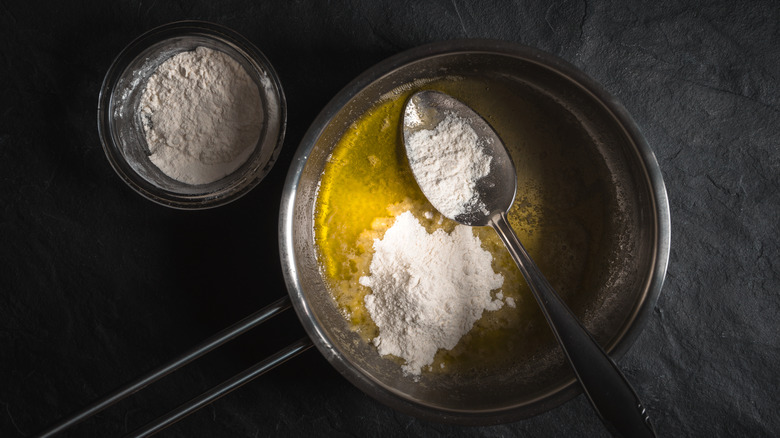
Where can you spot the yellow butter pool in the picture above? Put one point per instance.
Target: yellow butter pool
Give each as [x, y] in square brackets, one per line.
[367, 182]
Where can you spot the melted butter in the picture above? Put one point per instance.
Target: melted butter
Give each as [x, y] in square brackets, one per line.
[367, 182]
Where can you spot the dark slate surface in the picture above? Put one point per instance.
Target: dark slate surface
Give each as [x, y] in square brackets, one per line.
[97, 284]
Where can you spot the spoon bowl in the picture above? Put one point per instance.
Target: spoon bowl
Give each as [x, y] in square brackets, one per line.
[425, 110]
[610, 394]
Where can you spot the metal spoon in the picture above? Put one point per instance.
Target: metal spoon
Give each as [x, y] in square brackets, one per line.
[611, 395]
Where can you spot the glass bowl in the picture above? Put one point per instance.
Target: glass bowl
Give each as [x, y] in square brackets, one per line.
[121, 129]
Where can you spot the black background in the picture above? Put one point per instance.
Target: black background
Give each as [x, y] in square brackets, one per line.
[97, 284]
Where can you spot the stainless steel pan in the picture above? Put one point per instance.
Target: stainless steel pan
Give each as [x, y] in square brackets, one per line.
[625, 274]
[626, 284]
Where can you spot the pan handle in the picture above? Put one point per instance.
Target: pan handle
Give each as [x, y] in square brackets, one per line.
[223, 389]
[199, 350]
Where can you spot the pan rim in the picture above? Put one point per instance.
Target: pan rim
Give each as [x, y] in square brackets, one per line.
[622, 341]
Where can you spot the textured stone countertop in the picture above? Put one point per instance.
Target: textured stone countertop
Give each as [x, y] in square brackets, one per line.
[98, 284]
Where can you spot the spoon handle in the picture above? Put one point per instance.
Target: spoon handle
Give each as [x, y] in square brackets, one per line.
[610, 394]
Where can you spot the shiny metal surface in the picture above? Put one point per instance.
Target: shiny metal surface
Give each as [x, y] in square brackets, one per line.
[611, 394]
[205, 347]
[496, 191]
[492, 396]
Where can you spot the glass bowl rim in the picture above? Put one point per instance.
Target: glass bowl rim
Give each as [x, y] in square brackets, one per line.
[129, 53]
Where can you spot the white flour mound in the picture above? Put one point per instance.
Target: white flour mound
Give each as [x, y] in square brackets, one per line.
[202, 116]
[447, 162]
[428, 290]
